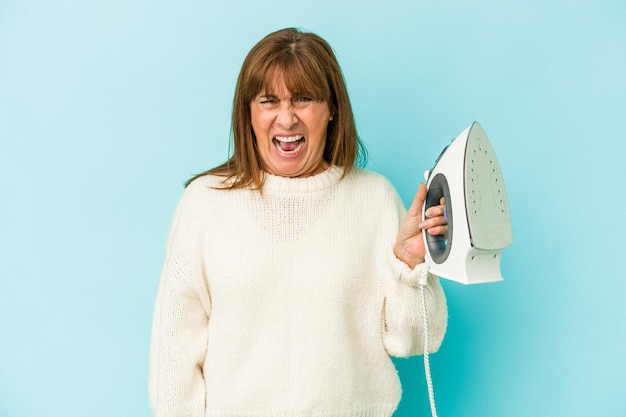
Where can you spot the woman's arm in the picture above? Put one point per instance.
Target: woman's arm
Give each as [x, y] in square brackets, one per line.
[179, 332]
[403, 323]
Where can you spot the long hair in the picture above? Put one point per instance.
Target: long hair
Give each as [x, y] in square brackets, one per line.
[308, 65]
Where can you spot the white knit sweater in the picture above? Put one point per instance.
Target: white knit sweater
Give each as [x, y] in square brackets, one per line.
[287, 304]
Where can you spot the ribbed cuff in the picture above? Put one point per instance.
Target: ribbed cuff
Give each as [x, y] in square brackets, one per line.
[403, 272]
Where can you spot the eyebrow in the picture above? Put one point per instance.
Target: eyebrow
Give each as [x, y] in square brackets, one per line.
[265, 96]
[293, 95]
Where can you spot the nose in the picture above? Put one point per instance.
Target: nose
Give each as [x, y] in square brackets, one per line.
[286, 117]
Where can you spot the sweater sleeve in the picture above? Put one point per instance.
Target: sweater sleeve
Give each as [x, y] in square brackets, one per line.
[403, 324]
[179, 331]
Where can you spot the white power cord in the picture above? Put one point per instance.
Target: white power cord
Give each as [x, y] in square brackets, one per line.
[429, 382]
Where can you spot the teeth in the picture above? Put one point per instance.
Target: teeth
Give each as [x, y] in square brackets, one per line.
[293, 148]
[288, 138]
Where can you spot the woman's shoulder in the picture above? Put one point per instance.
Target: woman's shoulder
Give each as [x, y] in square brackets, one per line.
[371, 179]
[203, 190]
[374, 191]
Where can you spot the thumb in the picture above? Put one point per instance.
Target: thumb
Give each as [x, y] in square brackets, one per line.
[418, 201]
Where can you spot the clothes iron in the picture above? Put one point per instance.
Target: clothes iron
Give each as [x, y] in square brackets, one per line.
[467, 179]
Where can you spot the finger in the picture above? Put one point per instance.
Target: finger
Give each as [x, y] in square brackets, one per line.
[435, 211]
[418, 201]
[433, 222]
[438, 230]
[442, 202]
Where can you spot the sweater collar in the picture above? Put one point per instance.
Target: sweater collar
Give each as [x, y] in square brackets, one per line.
[278, 184]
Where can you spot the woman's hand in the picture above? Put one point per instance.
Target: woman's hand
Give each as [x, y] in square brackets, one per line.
[409, 247]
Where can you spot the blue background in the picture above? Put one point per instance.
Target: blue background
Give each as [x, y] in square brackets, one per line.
[107, 107]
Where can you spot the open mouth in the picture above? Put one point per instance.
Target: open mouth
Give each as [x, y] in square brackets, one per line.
[288, 145]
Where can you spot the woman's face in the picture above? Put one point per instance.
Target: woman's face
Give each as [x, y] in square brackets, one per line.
[290, 132]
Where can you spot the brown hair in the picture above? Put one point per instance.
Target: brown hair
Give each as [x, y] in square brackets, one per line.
[308, 65]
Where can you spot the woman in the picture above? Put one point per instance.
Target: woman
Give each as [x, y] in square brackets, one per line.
[291, 275]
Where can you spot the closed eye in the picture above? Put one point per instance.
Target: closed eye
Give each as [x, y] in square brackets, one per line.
[302, 101]
[267, 100]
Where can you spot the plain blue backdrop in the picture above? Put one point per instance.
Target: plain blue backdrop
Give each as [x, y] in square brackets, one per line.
[107, 107]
